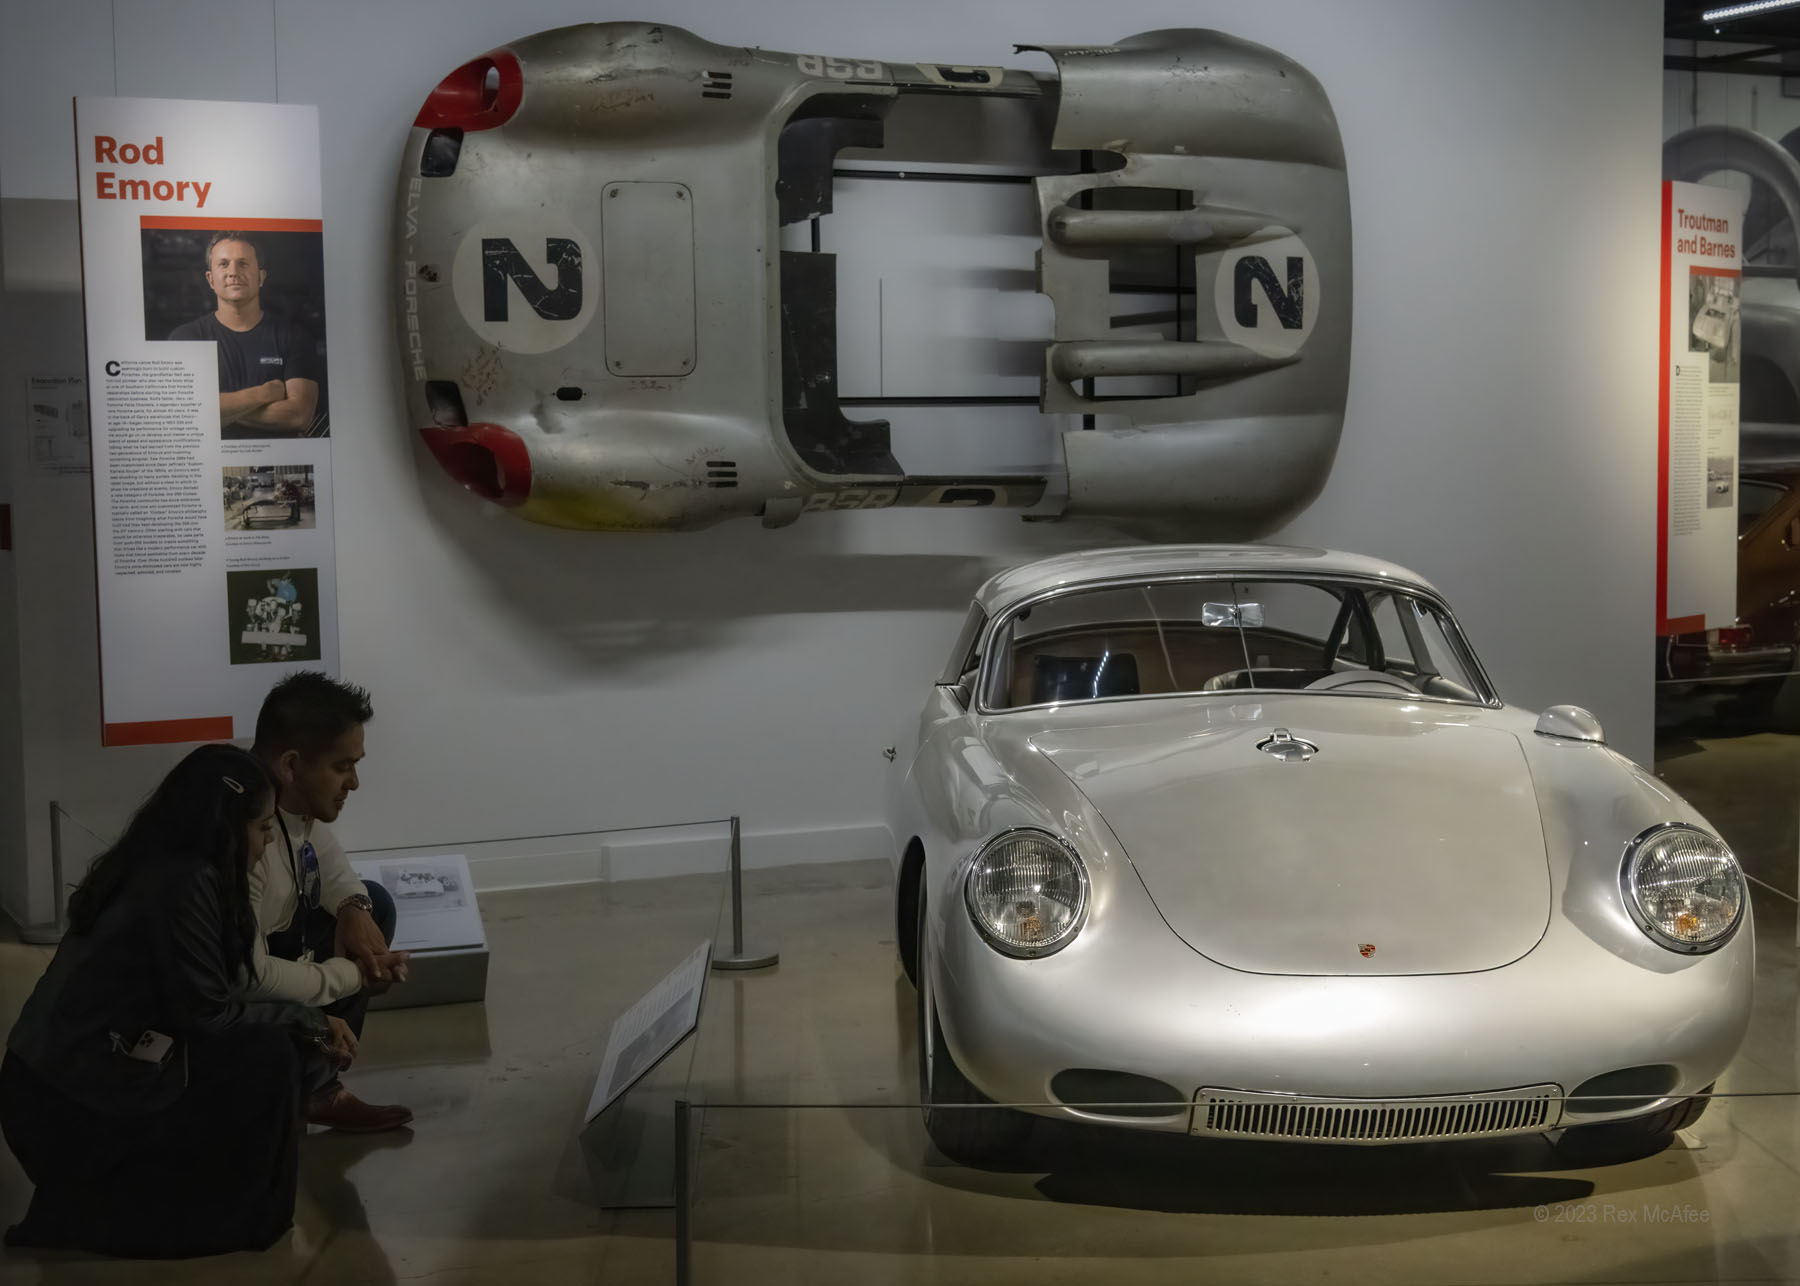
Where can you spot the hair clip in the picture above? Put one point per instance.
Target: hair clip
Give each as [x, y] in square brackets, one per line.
[234, 783]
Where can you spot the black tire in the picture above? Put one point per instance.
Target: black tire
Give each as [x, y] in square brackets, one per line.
[951, 1106]
[1612, 1141]
[906, 910]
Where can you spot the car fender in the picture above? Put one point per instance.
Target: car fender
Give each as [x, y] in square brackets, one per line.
[1593, 802]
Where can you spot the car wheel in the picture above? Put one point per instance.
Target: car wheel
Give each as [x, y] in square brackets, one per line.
[1612, 1141]
[955, 1118]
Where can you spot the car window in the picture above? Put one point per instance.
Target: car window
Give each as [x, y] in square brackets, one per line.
[1417, 641]
[1756, 498]
[965, 656]
[1223, 635]
[1288, 625]
[1095, 643]
[1440, 669]
[1385, 609]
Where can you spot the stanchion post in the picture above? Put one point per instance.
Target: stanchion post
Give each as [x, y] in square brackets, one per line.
[50, 934]
[741, 956]
[684, 1191]
[737, 889]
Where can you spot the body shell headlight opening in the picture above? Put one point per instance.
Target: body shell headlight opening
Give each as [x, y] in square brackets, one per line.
[1683, 887]
[1027, 892]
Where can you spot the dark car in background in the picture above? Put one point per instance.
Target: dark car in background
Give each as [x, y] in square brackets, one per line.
[1757, 656]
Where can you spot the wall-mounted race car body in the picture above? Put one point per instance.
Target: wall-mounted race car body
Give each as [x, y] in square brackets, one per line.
[601, 328]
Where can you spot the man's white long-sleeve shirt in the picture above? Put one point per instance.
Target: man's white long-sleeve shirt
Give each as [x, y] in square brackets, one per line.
[275, 898]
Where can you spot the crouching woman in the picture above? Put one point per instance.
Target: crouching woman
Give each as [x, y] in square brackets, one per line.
[155, 1110]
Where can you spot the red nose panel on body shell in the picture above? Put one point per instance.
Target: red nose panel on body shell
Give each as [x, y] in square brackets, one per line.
[488, 459]
[478, 95]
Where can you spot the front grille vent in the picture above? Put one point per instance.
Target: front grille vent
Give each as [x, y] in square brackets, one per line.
[1242, 1115]
[721, 473]
[716, 85]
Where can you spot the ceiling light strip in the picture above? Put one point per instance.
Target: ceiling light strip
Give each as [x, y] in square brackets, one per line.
[1745, 10]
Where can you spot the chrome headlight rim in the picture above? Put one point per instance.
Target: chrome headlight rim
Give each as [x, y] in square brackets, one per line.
[1083, 886]
[1650, 929]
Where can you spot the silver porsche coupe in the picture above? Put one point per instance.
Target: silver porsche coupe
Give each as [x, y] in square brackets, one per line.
[1240, 841]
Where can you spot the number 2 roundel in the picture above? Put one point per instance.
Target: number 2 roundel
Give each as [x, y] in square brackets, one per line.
[1267, 294]
[527, 282]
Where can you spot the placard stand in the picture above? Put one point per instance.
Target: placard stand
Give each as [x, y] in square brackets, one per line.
[639, 1143]
[640, 1151]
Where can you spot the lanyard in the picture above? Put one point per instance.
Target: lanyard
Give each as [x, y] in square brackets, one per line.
[288, 841]
[306, 862]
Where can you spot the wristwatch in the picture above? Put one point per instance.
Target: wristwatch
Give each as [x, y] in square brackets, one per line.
[357, 899]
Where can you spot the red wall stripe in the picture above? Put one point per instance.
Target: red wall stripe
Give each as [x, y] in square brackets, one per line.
[1663, 624]
[156, 732]
[238, 225]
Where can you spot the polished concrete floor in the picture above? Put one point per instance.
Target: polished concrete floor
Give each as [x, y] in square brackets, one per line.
[1744, 779]
[488, 1186]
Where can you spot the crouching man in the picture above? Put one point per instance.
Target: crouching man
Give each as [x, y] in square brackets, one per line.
[323, 934]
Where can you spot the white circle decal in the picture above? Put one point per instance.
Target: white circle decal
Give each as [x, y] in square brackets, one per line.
[526, 282]
[1267, 294]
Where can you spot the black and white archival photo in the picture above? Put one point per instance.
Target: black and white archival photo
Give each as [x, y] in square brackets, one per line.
[1721, 481]
[269, 497]
[433, 898]
[273, 614]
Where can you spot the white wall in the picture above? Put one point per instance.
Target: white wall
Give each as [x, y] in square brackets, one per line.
[1501, 432]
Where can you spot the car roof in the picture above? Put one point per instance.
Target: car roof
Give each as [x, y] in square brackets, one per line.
[1090, 566]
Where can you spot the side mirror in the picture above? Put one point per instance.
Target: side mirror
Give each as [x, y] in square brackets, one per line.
[1571, 723]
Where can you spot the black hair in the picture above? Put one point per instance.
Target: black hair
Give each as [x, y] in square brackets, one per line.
[201, 810]
[212, 244]
[307, 711]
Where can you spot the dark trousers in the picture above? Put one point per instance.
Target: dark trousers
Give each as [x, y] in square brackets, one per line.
[213, 1172]
[314, 929]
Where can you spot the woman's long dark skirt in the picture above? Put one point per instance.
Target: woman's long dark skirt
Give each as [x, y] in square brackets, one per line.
[213, 1172]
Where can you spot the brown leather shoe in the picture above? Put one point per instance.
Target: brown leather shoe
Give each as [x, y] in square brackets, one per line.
[339, 1109]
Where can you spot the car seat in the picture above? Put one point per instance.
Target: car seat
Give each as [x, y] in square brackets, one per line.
[1080, 678]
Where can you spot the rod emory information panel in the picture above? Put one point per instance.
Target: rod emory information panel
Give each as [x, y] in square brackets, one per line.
[202, 262]
[1697, 457]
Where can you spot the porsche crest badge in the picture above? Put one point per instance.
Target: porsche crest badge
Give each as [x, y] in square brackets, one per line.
[1366, 948]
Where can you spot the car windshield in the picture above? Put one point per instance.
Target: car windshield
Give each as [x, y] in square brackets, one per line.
[1755, 498]
[1204, 636]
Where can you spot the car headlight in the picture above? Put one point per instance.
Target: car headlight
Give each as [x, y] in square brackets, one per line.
[1027, 893]
[1683, 887]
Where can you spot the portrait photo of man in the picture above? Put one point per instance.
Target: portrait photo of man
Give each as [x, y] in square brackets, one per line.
[257, 290]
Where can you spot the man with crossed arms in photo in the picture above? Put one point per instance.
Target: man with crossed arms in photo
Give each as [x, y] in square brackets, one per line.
[323, 934]
[268, 377]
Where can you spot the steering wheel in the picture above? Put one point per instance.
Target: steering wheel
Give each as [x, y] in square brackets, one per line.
[1351, 678]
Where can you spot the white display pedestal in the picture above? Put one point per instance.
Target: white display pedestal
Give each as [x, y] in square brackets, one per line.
[439, 923]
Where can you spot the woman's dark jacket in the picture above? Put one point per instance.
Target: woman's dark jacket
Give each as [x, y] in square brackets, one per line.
[154, 960]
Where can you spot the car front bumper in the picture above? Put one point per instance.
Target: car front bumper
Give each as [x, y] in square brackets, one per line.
[1146, 1005]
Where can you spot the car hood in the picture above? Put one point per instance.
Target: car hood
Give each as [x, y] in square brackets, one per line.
[1409, 844]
